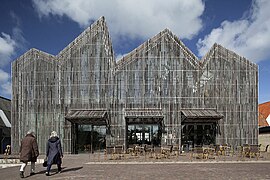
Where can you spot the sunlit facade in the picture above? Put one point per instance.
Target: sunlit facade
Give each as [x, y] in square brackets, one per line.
[158, 94]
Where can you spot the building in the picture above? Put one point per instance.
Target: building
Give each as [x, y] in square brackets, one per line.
[264, 128]
[264, 114]
[5, 126]
[158, 94]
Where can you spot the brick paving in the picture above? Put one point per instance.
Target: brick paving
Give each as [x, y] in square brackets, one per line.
[95, 166]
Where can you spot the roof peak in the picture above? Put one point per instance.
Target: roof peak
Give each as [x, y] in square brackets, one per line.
[155, 38]
[99, 22]
[33, 50]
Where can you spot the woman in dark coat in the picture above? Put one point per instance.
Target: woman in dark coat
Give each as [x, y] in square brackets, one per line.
[28, 152]
[54, 152]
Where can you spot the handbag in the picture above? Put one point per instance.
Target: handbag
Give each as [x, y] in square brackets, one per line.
[45, 163]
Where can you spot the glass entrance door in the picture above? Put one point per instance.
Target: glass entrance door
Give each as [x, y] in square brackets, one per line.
[144, 134]
[199, 134]
[90, 138]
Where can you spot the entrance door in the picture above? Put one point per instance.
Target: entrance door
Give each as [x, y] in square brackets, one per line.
[90, 138]
[144, 134]
[199, 134]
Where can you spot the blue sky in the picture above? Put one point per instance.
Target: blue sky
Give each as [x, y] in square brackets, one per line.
[239, 25]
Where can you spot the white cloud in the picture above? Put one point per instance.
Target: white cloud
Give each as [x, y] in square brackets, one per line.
[4, 76]
[5, 85]
[250, 36]
[134, 18]
[7, 48]
[9, 44]
[6, 88]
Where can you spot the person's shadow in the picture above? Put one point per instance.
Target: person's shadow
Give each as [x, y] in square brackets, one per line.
[54, 171]
[64, 169]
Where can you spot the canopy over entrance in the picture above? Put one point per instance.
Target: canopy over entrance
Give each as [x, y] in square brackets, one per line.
[96, 117]
[143, 116]
[199, 126]
[88, 129]
[200, 116]
[144, 126]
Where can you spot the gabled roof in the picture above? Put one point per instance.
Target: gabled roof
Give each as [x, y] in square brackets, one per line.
[194, 60]
[264, 112]
[216, 48]
[99, 24]
[209, 54]
[166, 32]
[5, 112]
[5, 104]
[33, 51]
[4, 120]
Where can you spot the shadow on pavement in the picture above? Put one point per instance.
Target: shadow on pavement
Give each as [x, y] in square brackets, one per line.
[70, 169]
[54, 171]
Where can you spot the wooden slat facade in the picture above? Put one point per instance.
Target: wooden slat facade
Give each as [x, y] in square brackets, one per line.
[160, 74]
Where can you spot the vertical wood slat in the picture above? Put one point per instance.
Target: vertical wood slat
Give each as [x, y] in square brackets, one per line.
[161, 73]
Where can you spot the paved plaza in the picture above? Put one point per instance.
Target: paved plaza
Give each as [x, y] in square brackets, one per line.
[95, 166]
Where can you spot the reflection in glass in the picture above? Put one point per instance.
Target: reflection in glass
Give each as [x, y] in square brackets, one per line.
[144, 134]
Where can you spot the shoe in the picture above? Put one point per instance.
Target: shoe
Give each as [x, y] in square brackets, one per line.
[21, 174]
[47, 174]
[32, 174]
[59, 170]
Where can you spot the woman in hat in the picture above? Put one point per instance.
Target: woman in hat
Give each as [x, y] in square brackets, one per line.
[54, 152]
[28, 152]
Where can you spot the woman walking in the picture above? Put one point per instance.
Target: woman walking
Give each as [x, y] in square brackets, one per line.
[28, 152]
[54, 152]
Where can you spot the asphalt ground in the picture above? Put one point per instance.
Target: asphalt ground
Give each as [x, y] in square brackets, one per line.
[95, 166]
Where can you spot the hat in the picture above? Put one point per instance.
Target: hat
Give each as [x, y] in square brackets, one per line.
[53, 134]
[31, 132]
